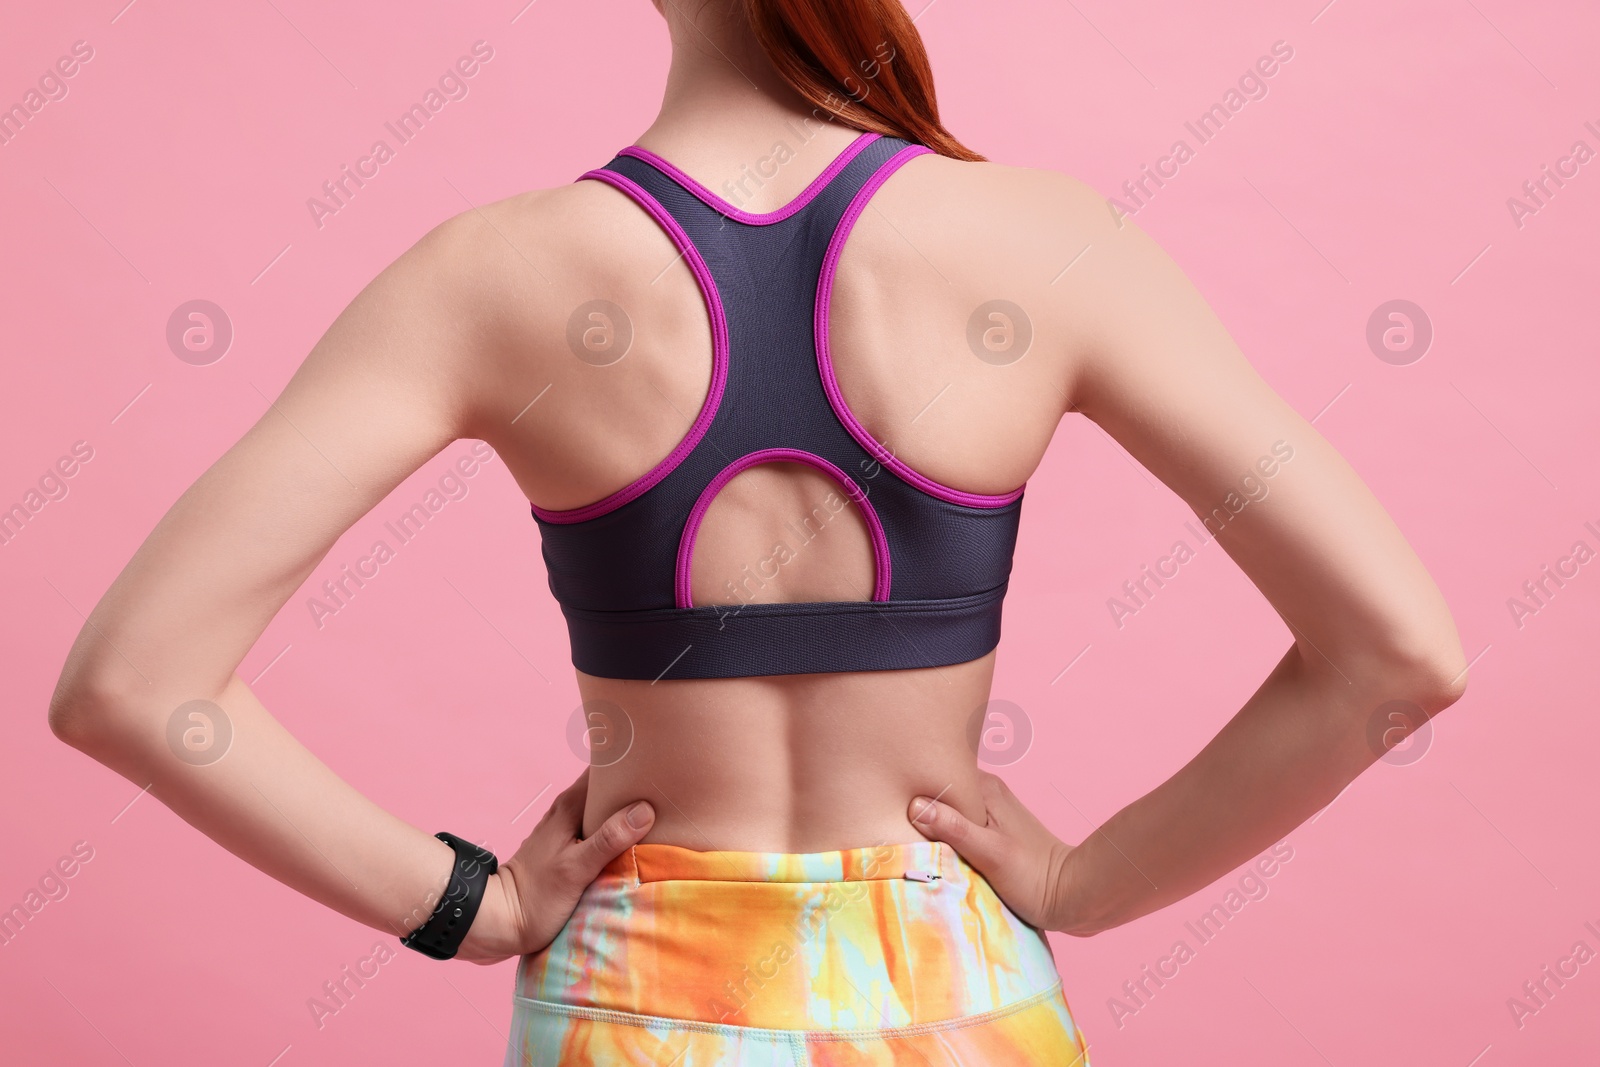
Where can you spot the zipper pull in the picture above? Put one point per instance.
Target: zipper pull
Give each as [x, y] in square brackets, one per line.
[922, 876]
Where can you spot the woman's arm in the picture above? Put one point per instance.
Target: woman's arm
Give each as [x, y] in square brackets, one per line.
[394, 380]
[1146, 359]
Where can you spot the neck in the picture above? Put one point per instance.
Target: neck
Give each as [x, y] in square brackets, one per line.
[724, 102]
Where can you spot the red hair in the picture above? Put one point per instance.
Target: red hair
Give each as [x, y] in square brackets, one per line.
[860, 60]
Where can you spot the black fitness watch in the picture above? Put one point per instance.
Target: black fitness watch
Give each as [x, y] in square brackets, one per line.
[445, 929]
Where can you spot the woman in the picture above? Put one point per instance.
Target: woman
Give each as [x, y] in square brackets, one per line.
[773, 380]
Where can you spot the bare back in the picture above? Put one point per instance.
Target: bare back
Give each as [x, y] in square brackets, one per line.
[797, 762]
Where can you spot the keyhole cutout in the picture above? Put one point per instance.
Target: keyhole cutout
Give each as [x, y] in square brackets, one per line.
[783, 532]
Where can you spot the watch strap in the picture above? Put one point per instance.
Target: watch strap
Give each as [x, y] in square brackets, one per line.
[447, 927]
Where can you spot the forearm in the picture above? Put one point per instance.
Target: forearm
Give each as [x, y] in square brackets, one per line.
[272, 803]
[1298, 741]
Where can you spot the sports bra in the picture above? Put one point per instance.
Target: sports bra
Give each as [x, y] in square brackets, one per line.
[620, 567]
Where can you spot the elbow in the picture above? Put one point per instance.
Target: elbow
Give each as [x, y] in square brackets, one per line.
[1440, 683]
[1431, 674]
[81, 714]
[1424, 667]
[70, 719]
[1409, 649]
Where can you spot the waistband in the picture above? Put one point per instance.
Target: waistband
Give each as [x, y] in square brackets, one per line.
[883, 936]
[919, 861]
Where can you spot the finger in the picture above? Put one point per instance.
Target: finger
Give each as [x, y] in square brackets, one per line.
[621, 831]
[575, 793]
[978, 845]
[568, 804]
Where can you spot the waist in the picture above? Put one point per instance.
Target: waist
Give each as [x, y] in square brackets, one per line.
[803, 763]
[864, 938]
[763, 807]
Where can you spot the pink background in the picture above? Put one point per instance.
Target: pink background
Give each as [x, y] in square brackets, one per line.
[1377, 167]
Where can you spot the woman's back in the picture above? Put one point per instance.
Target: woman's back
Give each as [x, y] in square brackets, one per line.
[616, 345]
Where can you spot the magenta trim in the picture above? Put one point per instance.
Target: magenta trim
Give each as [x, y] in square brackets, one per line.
[684, 595]
[737, 214]
[830, 384]
[719, 360]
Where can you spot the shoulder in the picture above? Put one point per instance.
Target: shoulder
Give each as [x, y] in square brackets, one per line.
[991, 219]
[1041, 239]
[1047, 234]
[504, 280]
[506, 270]
[498, 247]
[990, 193]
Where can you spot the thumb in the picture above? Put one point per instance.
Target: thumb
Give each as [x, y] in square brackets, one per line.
[621, 831]
[978, 845]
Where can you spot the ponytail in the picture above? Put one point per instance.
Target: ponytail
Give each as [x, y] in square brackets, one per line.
[860, 60]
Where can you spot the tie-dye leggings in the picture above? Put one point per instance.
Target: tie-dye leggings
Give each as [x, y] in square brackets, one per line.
[890, 955]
